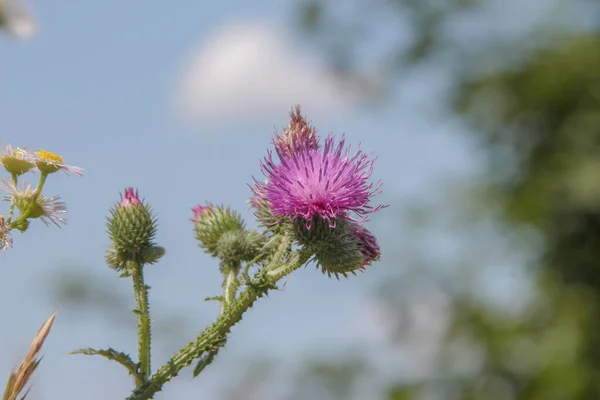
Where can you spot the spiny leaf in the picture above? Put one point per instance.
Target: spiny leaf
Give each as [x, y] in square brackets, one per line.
[210, 355]
[204, 362]
[214, 298]
[114, 355]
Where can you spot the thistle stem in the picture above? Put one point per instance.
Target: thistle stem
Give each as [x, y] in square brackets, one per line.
[212, 338]
[230, 286]
[140, 291]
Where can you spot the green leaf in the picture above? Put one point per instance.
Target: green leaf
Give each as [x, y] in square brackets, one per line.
[114, 355]
[207, 359]
[214, 298]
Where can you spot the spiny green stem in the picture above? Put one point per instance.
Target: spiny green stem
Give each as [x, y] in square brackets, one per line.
[230, 286]
[140, 291]
[284, 245]
[213, 335]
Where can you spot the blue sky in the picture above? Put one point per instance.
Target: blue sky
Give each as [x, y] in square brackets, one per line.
[101, 84]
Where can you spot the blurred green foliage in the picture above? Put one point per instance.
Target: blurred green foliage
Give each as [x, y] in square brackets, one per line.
[537, 118]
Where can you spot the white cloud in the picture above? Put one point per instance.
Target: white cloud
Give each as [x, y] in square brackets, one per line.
[253, 70]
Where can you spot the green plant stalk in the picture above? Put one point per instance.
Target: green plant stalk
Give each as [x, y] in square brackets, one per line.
[284, 245]
[214, 334]
[230, 286]
[140, 291]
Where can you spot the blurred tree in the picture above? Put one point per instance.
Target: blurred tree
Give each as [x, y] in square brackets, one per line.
[533, 101]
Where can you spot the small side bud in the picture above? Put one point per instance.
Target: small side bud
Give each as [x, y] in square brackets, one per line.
[239, 245]
[367, 243]
[113, 259]
[346, 248]
[211, 223]
[132, 227]
[150, 255]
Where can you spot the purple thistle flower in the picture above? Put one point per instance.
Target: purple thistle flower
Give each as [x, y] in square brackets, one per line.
[367, 243]
[326, 183]
[130, 198]
[198, 210]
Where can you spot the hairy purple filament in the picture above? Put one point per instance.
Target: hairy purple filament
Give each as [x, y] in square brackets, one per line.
[325, 183]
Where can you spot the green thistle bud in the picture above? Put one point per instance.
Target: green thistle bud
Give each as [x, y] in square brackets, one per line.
[340, 250]
[239, 245]
[152, 254]
[132, 227]
[211, 223]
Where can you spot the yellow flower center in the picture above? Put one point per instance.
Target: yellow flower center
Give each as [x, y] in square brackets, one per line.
[49, 157]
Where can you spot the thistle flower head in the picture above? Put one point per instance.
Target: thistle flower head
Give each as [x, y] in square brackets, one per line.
[298, 133]
[327, 183]
[49, 163]
[14, 161]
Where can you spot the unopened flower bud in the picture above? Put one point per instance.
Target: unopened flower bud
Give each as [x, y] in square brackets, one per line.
[367, 243]
[130, 198]
[211, 223]
[132, 227]
[239, 245]
[340, 250]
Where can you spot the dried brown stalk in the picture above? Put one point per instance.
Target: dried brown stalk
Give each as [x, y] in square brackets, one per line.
[20, 376]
